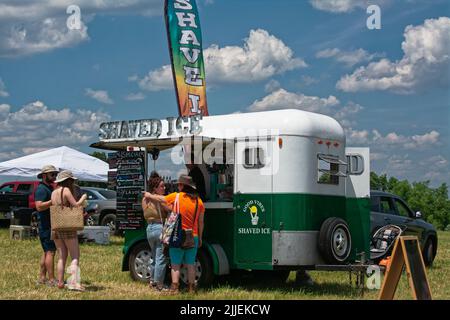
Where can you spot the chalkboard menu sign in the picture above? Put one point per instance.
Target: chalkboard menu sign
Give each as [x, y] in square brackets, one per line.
[112, 179]
[112, 160]
[130, 184]
[406, 252]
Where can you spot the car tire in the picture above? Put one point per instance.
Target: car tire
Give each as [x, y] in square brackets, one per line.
[139, 262]
[204, 270]
[335, 242]
[428, 253]
[109, 220]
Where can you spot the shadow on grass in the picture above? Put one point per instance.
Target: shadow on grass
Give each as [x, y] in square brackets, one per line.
[89, 287]
[252, 283]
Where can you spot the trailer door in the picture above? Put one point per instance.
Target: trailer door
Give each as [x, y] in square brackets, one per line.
[253, 202]
[357, 190]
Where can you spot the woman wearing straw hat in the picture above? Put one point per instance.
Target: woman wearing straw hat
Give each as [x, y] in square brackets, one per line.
[67, 241]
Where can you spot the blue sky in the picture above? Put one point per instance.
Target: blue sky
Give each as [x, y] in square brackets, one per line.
[387, 87]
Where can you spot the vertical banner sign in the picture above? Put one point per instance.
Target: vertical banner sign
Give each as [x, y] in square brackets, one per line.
[185, 46]
[130, 184]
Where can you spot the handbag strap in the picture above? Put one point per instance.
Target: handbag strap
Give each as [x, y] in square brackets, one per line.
[62, 192]
[176, 205]
[195, 212]
[158, 208]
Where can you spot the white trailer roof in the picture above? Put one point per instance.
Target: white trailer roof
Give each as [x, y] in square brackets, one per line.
[244, 125]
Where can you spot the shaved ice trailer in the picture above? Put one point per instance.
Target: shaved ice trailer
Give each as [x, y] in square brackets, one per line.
[289, 194]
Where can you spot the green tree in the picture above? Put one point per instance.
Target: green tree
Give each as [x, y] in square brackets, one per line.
[433, 203]
[100, 155]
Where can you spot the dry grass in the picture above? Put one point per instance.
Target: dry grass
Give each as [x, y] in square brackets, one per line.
[102, 275]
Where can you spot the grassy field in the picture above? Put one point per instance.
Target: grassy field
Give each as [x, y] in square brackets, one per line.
[103, 278]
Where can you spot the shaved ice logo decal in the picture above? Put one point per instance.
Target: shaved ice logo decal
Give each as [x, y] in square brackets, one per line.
[254, 207]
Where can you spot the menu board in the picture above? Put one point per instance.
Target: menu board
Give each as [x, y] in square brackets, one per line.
[130, 182]
[112, 179]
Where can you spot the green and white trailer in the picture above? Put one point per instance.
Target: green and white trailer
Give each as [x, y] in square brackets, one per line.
[300, 198]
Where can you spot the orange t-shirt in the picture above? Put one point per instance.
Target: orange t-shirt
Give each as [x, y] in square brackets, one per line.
[187, 208]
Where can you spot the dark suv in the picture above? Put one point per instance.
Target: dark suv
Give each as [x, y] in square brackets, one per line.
[387, 209]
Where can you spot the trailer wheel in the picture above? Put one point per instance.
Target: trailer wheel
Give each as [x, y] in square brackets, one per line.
[335, 242]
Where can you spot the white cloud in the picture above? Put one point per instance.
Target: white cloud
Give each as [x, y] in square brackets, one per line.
[272, 85]
[307, 80]
[425, 63]
[344, 6]
[133, 78]
[282, 99]
[4, 110]
[156, 80]
[3, 92]
[99, 95]
[135, 96]
[261, 57]
[40, 36]
[35, 26]
[36, 126]
[338, 6]
[355, 137]
[331, 106]
[348, 58]
[393, 140]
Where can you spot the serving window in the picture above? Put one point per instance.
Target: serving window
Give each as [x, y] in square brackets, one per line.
[328, 169]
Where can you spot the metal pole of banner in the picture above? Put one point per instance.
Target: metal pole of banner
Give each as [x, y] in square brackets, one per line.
[146, 168]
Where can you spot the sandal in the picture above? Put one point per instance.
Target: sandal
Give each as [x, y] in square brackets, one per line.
[40, 282]
[77, 287]
[52, 283]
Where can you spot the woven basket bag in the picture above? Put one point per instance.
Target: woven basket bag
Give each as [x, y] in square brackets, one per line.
[64, 218]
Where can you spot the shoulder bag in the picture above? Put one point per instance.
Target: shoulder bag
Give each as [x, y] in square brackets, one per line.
[64, 218]
[188, 234]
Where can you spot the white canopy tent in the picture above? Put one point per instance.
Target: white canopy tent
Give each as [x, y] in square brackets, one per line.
[83, 166]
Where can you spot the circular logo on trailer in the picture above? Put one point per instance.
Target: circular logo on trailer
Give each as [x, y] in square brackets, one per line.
[255, 208]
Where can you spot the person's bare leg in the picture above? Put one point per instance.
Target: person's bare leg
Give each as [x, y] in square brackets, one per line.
[43, 269]
[62, 250]
[50, 265]
[175, 272]
[191, 277]
[74, 250]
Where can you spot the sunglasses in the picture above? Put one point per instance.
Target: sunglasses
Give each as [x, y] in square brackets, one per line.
[52, 174]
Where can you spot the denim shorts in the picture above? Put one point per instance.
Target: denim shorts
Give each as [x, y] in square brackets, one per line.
[46, 243]
[183, 256]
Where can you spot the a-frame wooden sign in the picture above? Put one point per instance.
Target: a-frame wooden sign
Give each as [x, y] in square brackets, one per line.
[406, 252]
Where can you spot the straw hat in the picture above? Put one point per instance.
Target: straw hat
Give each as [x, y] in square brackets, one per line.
[187, 180]
[46, 169]
[64, 175]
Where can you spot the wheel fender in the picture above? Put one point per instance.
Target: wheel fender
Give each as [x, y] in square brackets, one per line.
[219, 258]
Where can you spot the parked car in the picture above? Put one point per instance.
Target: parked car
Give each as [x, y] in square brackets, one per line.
[389, 209]
[102, 207]
[21, 187]
[17, 202]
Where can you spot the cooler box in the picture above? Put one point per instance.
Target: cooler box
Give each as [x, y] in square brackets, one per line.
[97, 234]
[19, 232]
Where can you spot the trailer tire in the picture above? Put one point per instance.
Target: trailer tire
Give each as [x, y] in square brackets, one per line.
[335, 242]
